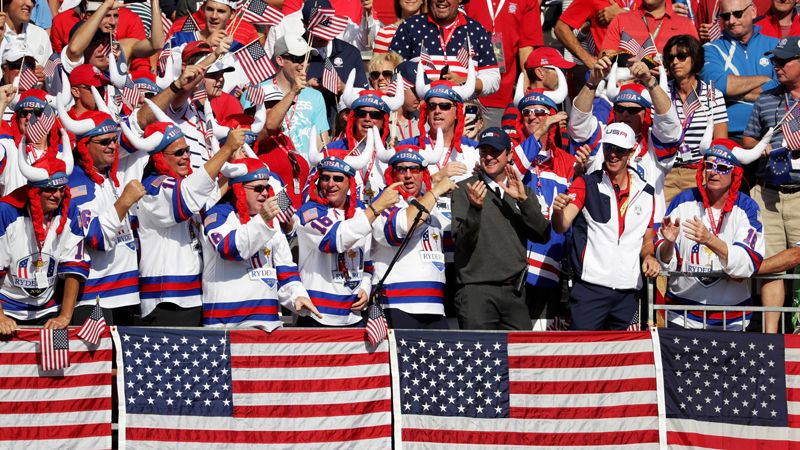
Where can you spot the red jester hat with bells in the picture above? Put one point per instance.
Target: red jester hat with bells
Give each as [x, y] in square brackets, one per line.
[337, 160]
[411, 154]
[51, 171]
[449, 91]
[355, 98]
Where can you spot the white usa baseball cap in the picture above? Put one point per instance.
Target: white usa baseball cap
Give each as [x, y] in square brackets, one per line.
[619, 134]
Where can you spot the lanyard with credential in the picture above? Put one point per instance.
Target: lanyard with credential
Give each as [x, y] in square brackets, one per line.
[653, 35]
[492, 14]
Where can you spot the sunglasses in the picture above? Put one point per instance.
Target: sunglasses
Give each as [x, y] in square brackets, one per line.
[261, 188]
[375, 115]
[726, 16]
[388, 74]
[410, 169]
[105, 142]
[54, 189]
[680, 56]
[611, 148]
[294, 58]
[719, 167]
[628, 109]
[179, 152]
[535, 112]
[780, 62]
[442, 106]
[25, 112]
[335, 178]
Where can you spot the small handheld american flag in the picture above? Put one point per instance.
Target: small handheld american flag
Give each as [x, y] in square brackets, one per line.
[690, 106]
[39, 126]
[95, 325]
[330, 79]
[791, 129]
[255, 62]
[377, 328]
[463, 56]
[54, 347]
[255, 95]
[27, 77]
[285, 206]
[325, 24]
[425, 57]
[258, 12]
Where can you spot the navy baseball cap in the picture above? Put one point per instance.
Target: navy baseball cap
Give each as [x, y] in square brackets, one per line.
[788, 47]
[496, 138]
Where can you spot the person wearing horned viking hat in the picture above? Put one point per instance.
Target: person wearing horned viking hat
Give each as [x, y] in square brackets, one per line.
[368, 108]
[413, 295]
[103, 205]
[711, 228]
[657, 132]
[249, 272]
[41, 241]
[334, 234]
[170, 267]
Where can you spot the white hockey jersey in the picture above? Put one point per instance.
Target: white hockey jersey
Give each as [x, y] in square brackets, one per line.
[169, 232]
[334, 260]
[742, 231]
[416, 283]
[248, 271]
[114, 275]
[28, 285]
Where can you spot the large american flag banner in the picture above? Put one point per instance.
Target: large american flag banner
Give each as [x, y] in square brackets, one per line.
[255, 62]
[543, 390]
[214, 389]
[791, 129]
[64, 409]
[731, 390]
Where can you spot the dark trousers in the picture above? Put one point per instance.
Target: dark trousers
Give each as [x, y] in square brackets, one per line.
[124, 316]
[596, 307]
[402, 320]
[492, 307]
[172, 315]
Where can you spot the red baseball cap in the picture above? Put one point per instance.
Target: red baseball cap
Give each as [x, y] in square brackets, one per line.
[195, 48]
[547, 56]
[88, 75]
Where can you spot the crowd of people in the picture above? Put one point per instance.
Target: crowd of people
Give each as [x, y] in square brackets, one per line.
[190, 164]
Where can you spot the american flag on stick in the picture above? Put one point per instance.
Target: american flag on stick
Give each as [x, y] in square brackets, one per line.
[95, 325]
[54, 345]
[325, 24]
[190, 25]
[255, 95]
[377, 329]
[690, 106]
[715, 32]
[463, 56]
[425, 57]
[791, 129]
[285, 207]
[130, 93]
[255, 62]
[330, 79]
[167, 23]
[39, 126]
[630, 45]
[52, 65]
[258, 12]
[200, 95]
[27, 77]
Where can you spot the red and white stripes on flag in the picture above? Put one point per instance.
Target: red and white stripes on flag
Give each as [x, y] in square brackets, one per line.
[285, 206]
[377, 329]
[39, 126]
[255, 62]
[791, 129]
[463, 56]
[690, 106]
[255, 95]
[69, 410]
[330, 79]
[94, 327]
[325, 24]
[425, 57]
[54, 348]
[285, 389]
[715, 32]
[200, 95]
[258, 12]
[130, 93]
[166, 23]
[27, 77]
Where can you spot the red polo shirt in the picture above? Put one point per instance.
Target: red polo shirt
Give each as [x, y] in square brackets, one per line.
[770, 26]
[129, 26]
[633, 22]
[579, 11]
[518, 24]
